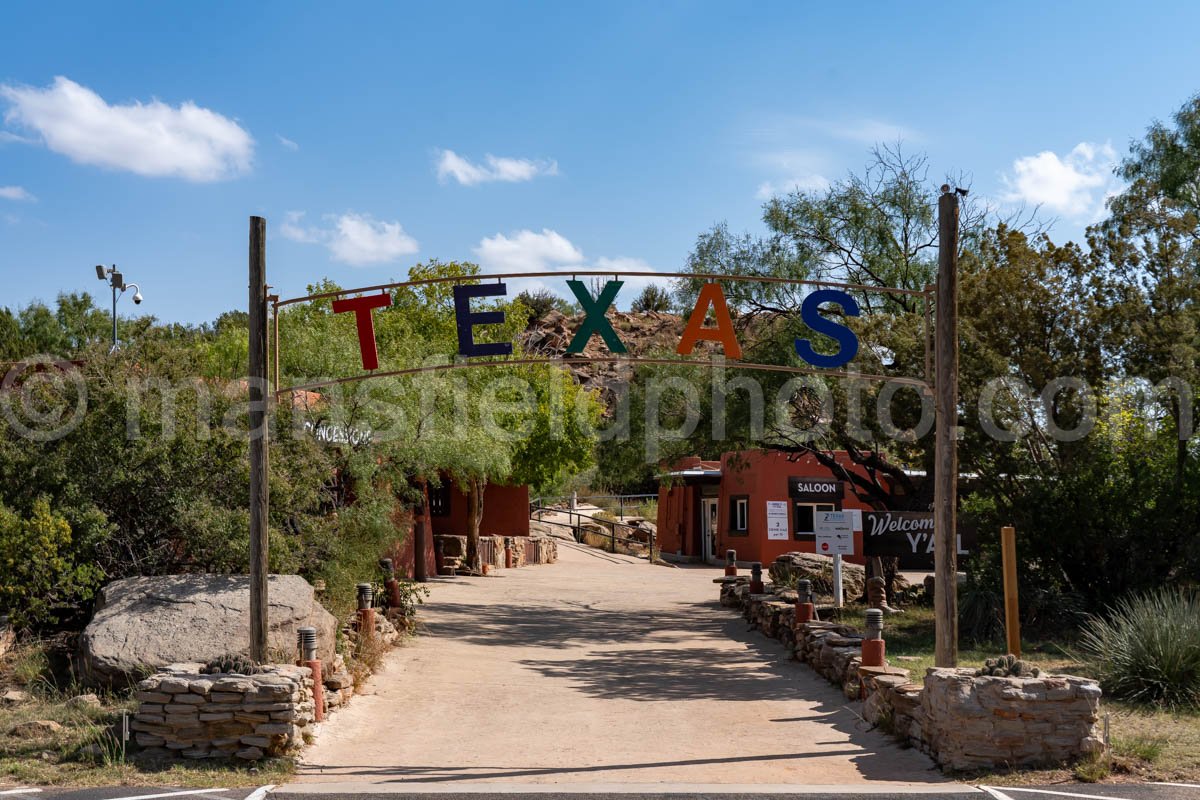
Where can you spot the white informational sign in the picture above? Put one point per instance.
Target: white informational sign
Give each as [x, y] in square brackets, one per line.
[777, 520]
[856, 515]
[834, 533]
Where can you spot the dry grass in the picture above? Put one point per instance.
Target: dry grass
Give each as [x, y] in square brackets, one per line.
[1146, 743]
[87, 750]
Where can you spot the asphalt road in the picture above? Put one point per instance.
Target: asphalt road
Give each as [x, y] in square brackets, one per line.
[362, 791]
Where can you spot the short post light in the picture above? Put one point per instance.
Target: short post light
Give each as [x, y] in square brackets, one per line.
[805, 607]
[390, 584]
[756, 581]
[366, 612]
[872, 643]
[306, 640]
[731, 563]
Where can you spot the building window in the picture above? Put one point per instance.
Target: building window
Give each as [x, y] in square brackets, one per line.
[739, 514]
[439, 500]
[803, 515]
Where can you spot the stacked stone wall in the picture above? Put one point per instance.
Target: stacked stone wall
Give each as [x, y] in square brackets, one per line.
[246, 717]
[961, 720]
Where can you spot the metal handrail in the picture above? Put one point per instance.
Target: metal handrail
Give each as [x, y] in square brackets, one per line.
[613, 524]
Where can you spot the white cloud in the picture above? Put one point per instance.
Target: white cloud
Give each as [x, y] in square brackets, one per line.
[1074, 185]
[511, 170]
[800, 183]
[526, 251]
[548, 251]
[15, 193]
[352, 238]
[288, 143]
[152, 139]
[870, 131]
[796, 169]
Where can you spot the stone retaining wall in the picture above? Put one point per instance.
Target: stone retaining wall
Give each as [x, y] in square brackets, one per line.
[527, 550]
[960, 720]
[224, 716]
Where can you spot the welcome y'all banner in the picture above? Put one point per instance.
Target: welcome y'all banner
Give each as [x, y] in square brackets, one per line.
[710, 298]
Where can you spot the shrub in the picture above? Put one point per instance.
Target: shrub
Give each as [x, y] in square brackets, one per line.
[540, 303]
[38, 574]
[1147, 648]
[652, 298]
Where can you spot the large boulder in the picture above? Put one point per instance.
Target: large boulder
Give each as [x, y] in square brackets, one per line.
[791, 567]
[143, 624]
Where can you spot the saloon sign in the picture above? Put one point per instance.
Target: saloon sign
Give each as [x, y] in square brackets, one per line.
[907, 535]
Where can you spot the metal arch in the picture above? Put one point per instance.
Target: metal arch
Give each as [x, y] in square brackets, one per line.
[709, 277]
[919, 384]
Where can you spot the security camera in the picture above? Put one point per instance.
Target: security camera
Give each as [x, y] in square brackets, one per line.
[137, 298]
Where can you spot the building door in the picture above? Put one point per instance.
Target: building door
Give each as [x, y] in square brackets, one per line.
[708, 529]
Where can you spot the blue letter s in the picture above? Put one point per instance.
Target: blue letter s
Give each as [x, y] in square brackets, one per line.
[810, 315]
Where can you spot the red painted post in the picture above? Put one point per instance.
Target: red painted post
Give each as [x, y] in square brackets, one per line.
[318, 690]
[873, 645]
[805, 608]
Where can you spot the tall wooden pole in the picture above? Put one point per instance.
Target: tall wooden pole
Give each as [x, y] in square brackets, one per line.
[945, 469]
[259, 496]
[1012, 611]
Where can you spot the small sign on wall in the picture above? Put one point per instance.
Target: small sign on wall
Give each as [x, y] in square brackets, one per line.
[834, 533]
[777, 520]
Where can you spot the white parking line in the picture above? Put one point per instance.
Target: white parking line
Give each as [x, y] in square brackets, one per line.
[260, 792]
[168, 794]
[1000, 795]
[20, 791]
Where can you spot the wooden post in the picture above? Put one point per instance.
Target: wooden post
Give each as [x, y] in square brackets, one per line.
[421, 530]
[1012, 610]
[945, 467]
[257, 386]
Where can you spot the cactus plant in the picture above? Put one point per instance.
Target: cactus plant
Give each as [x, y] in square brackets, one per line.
[232, 664]
[1007, 666]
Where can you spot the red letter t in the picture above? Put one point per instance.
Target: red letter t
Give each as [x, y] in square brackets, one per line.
[361, 306]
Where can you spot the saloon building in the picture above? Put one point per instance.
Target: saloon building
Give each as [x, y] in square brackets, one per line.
[761, 503]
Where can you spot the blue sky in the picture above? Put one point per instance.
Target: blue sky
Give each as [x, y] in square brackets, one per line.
[145, 135]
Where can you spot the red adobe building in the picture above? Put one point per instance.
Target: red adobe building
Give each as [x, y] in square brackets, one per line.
[708, 507]
[505, 513]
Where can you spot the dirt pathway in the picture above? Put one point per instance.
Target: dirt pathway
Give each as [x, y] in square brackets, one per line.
[598, 669]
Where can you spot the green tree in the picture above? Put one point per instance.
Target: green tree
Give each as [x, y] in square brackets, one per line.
[39, 574]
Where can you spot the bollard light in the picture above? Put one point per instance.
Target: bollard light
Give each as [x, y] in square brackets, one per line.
[731, 562]
[756, 581]
[805, 608]
[365, 596]
[874, 623]
[306, 639]
[873, 644]
[804, 591]
[388, 567]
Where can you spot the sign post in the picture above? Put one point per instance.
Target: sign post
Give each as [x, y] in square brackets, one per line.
[945, 469]
[257, 388]
[835, 536]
